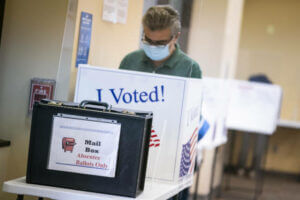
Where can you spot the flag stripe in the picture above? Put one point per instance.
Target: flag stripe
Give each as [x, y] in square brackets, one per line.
[193, 150]
[194, 143]
[154, 140]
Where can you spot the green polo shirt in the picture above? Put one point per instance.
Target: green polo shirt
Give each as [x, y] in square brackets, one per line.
[179, 64]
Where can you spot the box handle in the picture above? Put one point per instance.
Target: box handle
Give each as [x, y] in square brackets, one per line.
[95, 103]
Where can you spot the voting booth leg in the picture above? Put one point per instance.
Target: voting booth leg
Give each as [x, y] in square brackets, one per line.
[219, 191]
[232, 139]
[244, 152]
[213, 175]
[259, 161]
[197, 181]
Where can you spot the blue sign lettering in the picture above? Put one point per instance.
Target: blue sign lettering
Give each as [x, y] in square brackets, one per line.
[99, 94]
[117, 99]
[127, 100]
[121, 95]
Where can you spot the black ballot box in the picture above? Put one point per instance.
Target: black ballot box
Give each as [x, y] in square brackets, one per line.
[89, 146]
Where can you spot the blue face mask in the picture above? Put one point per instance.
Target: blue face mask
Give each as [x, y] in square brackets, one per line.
[156, 53]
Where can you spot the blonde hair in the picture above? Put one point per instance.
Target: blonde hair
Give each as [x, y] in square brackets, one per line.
[162, 17]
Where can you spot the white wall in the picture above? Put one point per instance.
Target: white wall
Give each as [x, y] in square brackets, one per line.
[231, 41]
[207, 35]
[214, 36]
[30, 47]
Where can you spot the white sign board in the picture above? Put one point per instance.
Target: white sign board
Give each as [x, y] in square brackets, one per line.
[174, 101]
[214, 110]
[84, 145]
[253, 107]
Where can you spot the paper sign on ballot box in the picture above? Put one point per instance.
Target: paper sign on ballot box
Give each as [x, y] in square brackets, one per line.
[84, 146]
[176, 106]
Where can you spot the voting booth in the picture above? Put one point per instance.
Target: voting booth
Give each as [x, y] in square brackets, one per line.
[214, 111]
[239, 105]
[176, 106]
[253, 107]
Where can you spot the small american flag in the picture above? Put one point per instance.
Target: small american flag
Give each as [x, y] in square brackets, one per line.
[188, 155]
[154, 140]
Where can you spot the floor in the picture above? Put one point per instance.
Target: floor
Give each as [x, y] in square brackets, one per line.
[275, 187]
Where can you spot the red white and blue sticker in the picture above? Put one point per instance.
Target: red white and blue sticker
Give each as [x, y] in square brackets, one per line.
[188, 154]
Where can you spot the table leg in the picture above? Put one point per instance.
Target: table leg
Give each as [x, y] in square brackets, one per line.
[260, 161]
